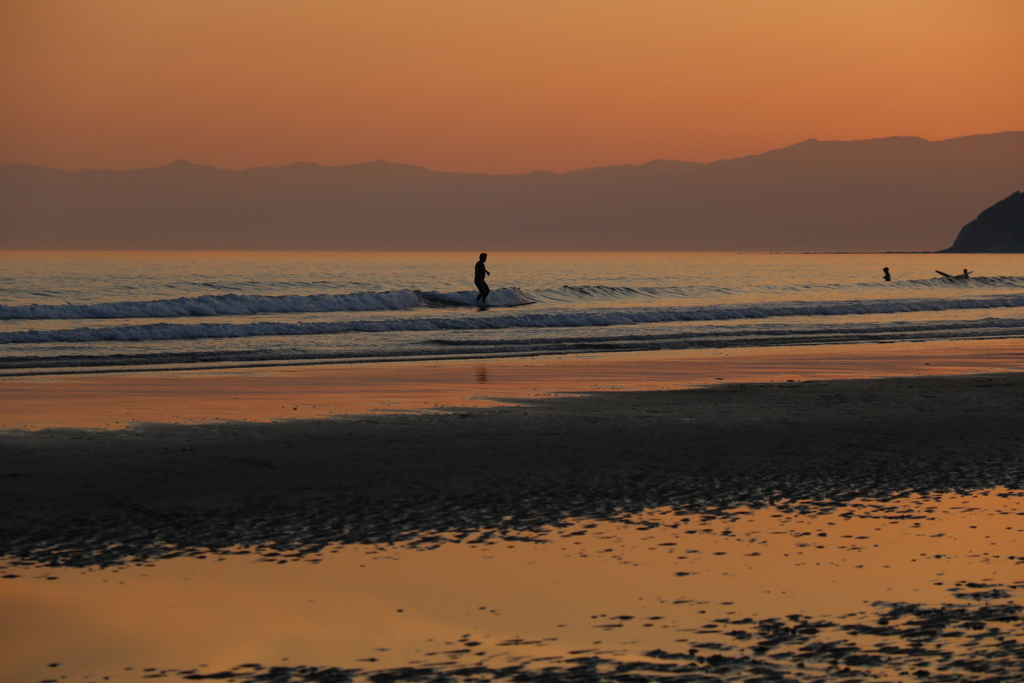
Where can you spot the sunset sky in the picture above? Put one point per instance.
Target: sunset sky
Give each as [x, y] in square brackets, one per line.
[492, 85]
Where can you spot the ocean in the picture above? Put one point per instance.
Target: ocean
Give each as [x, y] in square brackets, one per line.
[101, 311]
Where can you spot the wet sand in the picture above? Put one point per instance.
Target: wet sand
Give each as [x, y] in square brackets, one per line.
[926, 469]
[880, 589]
[114, 400]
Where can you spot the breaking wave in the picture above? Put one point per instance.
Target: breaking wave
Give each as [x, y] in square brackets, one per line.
[212, 305]
[591, 293]
[570, 318]
[249, 304]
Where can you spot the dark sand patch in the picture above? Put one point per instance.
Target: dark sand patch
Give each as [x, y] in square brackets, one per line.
[79, 497]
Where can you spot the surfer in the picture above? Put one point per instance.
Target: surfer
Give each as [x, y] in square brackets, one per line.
[966, 275]
[886, 276]
[478, 279]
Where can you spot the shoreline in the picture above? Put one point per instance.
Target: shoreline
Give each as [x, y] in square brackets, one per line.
[117, 400]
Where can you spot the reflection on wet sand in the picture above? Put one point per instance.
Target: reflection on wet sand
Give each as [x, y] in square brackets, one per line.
[116, 400]
[919, 585]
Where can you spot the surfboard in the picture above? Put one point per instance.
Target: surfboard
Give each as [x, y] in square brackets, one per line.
[446, 302]
[943, 274]
[486, 306]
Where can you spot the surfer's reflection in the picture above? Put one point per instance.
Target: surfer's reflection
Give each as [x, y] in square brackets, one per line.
[481, 375]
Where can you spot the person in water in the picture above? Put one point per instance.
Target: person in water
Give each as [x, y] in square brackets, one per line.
[967, 274]
[886, 276]
[478, 279]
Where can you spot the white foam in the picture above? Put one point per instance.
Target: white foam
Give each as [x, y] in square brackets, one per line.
[554, 318]
[250, 304]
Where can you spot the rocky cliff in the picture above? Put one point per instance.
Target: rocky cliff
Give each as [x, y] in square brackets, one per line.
[999, 229]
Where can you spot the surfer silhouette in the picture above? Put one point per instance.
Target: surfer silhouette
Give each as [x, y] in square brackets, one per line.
[966, 275]
[886, 276]
[478, 279]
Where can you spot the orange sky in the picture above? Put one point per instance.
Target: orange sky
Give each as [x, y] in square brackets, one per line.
[492, 85]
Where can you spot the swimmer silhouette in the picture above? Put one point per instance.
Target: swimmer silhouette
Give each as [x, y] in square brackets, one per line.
[967, 274]
[886, 276]
[478, 280]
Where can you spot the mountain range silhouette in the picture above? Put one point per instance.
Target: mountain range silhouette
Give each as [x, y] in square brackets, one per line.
[888, 194]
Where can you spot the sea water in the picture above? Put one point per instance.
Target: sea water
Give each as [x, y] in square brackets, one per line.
[87, 311]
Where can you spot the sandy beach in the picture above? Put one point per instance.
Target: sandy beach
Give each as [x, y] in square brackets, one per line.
[902, 433]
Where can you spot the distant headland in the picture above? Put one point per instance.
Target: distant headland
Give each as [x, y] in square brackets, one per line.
[999, 229]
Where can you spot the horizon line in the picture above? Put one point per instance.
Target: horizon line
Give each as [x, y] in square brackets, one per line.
[461, 251]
